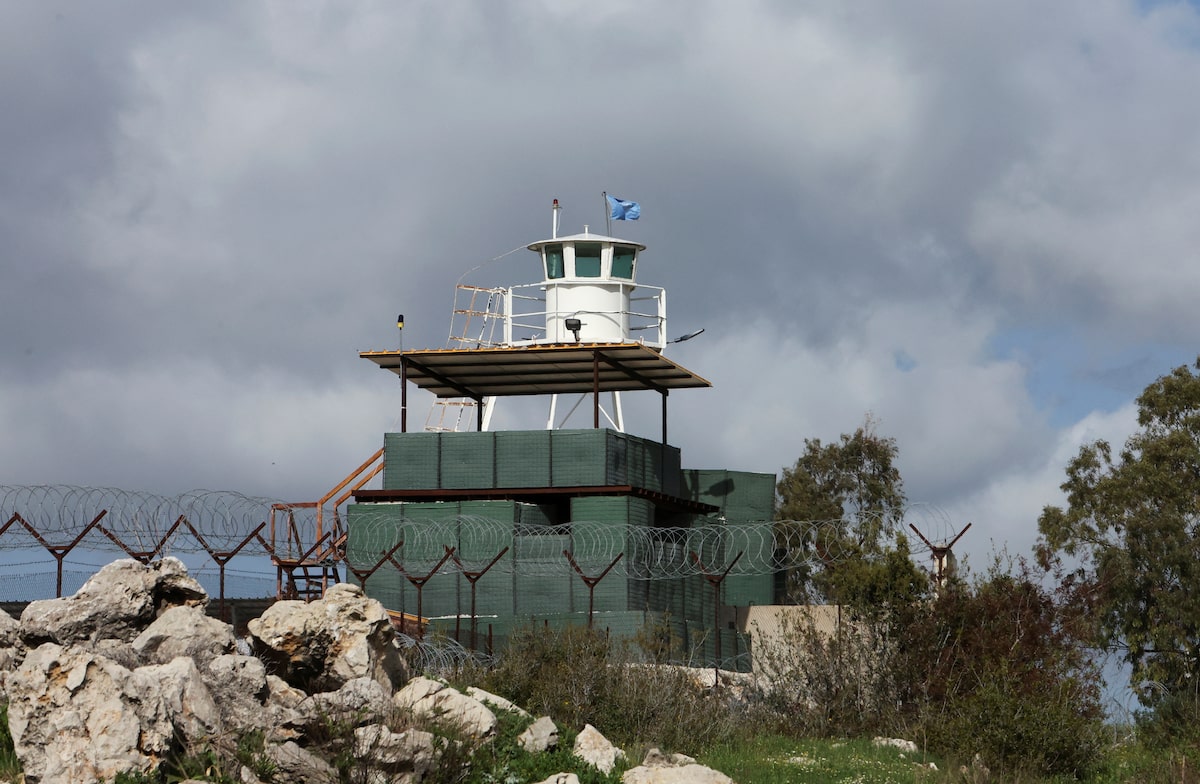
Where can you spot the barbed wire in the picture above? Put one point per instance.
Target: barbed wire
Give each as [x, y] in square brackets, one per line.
[111, 519]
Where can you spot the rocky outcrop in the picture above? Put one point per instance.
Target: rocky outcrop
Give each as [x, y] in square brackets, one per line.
[319, 646]
[116, 604]
[185, 630]
[130, 672]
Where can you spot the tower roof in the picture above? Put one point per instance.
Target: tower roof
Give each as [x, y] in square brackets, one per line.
[586, 236]
[538, 370]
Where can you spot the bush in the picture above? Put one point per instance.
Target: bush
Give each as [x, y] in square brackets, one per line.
[1040, 733]
[829, 682]
[576, 677]
[1007, 676]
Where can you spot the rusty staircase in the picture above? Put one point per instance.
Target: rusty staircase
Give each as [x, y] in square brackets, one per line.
[306, 559]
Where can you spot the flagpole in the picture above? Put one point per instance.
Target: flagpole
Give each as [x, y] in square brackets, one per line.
[607, 214]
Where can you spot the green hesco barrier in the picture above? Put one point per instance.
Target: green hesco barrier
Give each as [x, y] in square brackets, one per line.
[744, 589]
[541, 584]
[411, 461]
[534, 458]
[661, 467]
[579, 458]
[468, 460]
[486, 532]
[747, 589]
[613, 508]
[523, 458]
[487, 528]
[742, 496]
[537, 514]
[373, 528]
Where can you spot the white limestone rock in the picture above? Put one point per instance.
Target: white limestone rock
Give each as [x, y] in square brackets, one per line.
[319, 646]
[430, 699]
[595, 749]
[660, 768]
[117, 603]
[540, 736]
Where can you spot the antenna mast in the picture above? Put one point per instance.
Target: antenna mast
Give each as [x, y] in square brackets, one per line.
[942, 554]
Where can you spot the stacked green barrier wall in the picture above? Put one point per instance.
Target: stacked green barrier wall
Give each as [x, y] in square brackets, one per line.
[372, 530]
[541, 584]
[581, 458]
[468, 460]
[490, 534]
[596, 517]
[528, 458]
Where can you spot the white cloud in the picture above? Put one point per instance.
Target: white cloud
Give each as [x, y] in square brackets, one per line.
[187, 426]
[1004, 513]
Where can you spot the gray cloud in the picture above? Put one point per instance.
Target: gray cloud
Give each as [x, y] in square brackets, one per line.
[206, 212]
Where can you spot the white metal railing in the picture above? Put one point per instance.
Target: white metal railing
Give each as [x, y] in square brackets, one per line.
[525, 315]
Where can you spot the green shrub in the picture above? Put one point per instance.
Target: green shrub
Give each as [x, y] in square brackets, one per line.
[1043, 732]
[1007, 675]
[576, 677]
[10, 766]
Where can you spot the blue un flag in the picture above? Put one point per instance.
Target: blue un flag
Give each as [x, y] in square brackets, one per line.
[623, 210]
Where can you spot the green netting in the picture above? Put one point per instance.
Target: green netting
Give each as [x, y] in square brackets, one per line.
[541, 584]
[411, 461]
[480, 544]
[740, 495]
[372, 532]
[523, 458]
[662, 467]
[579, 458]
[468, 460]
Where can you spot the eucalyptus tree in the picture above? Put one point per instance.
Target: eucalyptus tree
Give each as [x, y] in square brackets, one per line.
[844, 501]
[1130, 534]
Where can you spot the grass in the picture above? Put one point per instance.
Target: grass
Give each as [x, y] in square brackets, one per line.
[504, 762]
[774, 759]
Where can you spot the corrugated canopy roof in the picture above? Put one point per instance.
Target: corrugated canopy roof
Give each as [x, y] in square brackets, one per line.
[538, 369]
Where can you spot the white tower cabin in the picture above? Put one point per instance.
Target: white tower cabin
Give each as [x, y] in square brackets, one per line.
[588, 288]
[586, 328]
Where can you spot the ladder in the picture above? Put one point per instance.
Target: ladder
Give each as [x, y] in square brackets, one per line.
[478, 314]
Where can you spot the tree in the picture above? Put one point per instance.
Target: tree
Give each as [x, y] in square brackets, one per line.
[1131, 533]
[838, 506]
[997, 667]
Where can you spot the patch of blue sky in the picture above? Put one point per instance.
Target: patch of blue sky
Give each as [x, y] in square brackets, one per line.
[904, 361]
[1150, 5]
[1070, 374]
[1185, 35]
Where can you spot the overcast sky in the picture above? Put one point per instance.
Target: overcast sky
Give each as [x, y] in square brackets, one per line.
[976, 221]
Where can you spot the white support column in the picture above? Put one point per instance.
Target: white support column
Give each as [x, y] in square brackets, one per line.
[489, 405]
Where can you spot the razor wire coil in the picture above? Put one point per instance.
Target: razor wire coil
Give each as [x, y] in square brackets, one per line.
[219, 521]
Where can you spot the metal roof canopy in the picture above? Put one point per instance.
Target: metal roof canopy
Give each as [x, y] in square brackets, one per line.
[556, 369]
